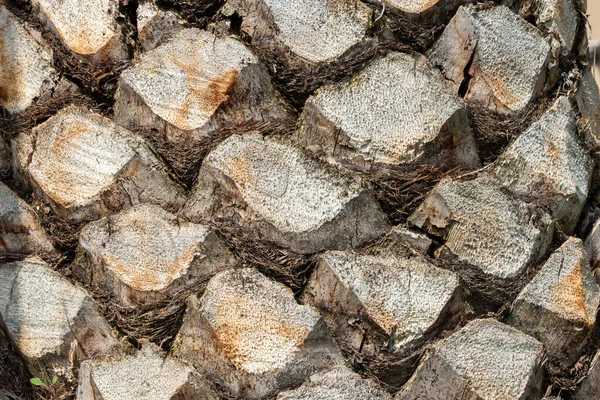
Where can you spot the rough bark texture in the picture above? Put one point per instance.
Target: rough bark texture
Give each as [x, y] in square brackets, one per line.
[20, 232]
[559, 305]
[26, 70]
[404, 297]
[90, 30]
[359, 125]
[274, 191]
[587, 98]
[156, 26]
[478, 54]
[52, 322]
[299, 199]
[145, 255]
[556, 16]
[484, 360]
[484, 227]
[306, 39]
[5, 160]
[590, 387]
[255, 338]
[336, 383]
[312, 31]
[592, 246]
[548, 165]
[424, 10]
[191, 88]
[409, 237]
[147, 374]
[85, 167]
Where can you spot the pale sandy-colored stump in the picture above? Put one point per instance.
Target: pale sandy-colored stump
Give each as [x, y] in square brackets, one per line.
[146, 255]
[52, 322]
[395, 113]
[484, 360]
[193, 87]
[147, 374]
[549, 166]
[405, 299]
[275, 192]
[337, 383]
[559, 305]
[248, 333]
[91, 30]
[26, 70]
[85, 167]
[304, 35]
[489, 233]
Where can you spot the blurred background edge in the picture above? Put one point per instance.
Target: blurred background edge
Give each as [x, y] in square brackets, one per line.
[594, 35]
